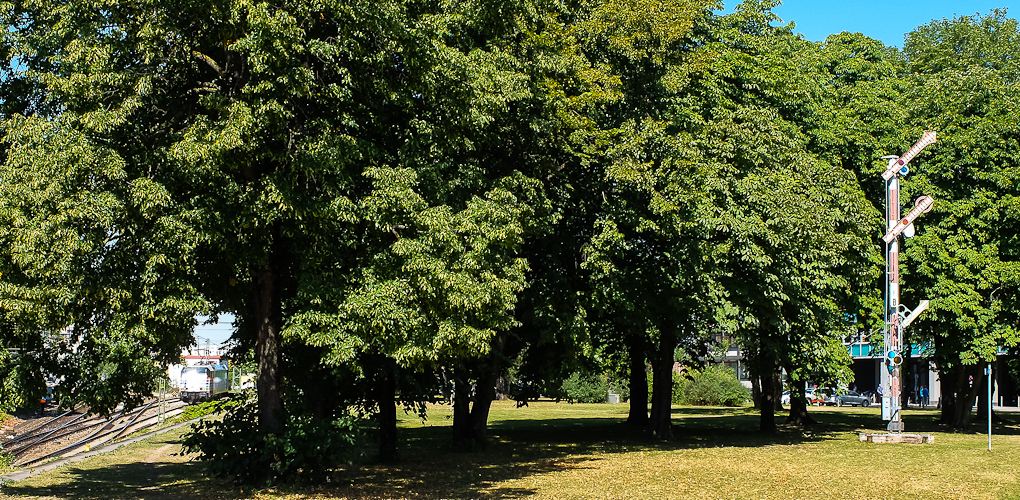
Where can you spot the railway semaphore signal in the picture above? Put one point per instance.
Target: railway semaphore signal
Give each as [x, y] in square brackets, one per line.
[897, 316]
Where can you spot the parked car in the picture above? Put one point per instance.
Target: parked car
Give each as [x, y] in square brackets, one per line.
[852, 399]
[813, 396]
[830, 399]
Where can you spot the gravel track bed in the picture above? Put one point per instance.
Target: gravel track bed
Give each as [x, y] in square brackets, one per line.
[20, 440]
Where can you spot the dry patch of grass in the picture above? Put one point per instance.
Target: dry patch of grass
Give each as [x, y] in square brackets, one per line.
[549, 450]
[840, 468]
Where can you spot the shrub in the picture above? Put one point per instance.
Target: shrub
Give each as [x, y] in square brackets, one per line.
[6, 459]
[6, 421]
[716, 385]
[592, 388]
[679, 389]
[195, 411]
[306, 451]
[621, 387]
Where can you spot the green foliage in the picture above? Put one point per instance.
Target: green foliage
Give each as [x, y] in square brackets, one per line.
[354, 176]
[6, 458]
[17, 382]
[715, 385]
[965, 85]
[307, 451]
[621, 387]
[965, 42]
[585, 388]
[198, 410]
[966, 260]
[413, 180]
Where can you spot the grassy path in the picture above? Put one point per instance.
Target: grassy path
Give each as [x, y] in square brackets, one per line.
[552, 450]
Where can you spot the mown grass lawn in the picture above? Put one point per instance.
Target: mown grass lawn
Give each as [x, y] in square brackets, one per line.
[550, 450]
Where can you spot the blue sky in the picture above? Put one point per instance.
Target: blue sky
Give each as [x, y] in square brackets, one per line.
[887, 21]
[217, 334]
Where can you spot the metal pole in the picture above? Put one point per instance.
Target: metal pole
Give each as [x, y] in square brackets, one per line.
[895, 225]
[988, 371]
[162, 401]
[892, 298]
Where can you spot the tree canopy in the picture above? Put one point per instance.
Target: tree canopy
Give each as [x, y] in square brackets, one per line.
[400, 198]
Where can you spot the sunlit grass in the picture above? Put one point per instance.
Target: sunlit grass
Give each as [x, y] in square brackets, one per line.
[557, 450]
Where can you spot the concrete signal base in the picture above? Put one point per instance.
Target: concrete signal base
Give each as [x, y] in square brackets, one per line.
[873, 437]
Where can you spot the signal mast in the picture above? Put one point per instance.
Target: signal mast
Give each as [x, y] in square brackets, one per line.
[897, 316]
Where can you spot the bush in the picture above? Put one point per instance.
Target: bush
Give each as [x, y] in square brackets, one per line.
[196, 411]
[716, 385]
[306, 451]
[621, 387]
[679, 389]
[6, 459]
[585, 388]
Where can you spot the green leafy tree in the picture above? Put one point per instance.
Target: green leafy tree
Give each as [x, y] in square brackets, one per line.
[791, 229]
[712, 196]
[585, 388]
[467, 209]
[644, 256]
[965, 257]
[856, 119]
[317, 169]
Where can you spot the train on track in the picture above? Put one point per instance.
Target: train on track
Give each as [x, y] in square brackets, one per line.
[204, 383]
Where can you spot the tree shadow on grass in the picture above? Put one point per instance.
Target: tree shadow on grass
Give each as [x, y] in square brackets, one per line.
[128, 481]
[521, 448]
[432, 468]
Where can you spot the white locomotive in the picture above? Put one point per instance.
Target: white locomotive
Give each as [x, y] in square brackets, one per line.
[203, 383]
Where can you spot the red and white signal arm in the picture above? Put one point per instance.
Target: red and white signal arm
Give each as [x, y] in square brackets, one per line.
[923, 204]
[901, 163]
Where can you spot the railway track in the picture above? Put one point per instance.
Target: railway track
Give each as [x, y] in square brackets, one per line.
[76, 431]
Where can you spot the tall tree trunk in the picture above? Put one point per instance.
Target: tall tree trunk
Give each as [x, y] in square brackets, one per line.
[949, 379]
[638, 415]
[768, 407]
[487, 391]
[267, 350]
[777, 390]
[965, 398]
[906, 377]
[446, 389]
[659, 422]
[959, 392]
[798, 405]
[470, 426]
[756, 392]
[461, 407]
[386, 400]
